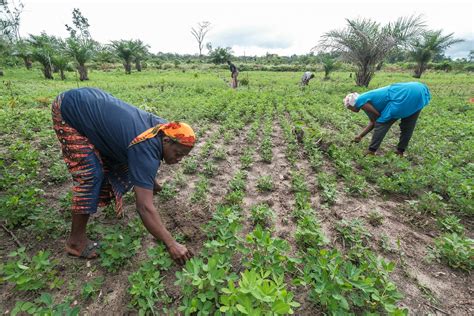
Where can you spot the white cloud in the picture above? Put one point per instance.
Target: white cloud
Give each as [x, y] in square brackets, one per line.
[253, 27]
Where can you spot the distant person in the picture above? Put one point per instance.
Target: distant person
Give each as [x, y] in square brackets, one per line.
[110, 147]
[307, 76]
[234, 72]
[384, 106]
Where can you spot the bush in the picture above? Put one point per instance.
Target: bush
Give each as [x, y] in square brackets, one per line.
[455, 250]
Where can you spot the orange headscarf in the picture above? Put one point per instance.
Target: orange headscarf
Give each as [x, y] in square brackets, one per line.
[178, 131]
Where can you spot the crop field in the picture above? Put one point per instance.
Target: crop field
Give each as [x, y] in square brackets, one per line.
[284, 213]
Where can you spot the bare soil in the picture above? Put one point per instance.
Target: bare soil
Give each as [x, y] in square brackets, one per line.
[428, 287]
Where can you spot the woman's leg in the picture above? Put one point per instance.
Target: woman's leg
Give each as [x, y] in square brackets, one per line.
[407, 126]
[380, 130]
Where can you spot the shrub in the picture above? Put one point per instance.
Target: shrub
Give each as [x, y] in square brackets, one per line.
[455, 250]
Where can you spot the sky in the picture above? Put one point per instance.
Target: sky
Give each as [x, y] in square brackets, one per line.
[249, 27]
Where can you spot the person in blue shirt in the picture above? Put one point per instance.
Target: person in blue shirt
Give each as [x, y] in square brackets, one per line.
[110, 147]
[384, 106]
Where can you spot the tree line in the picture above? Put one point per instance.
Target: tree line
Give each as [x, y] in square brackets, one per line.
[363, 43]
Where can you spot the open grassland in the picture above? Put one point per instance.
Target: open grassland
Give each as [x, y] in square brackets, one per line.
[283, 211]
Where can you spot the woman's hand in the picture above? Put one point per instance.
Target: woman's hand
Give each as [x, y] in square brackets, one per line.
[357, 139]
[179, 252]
[156, 187]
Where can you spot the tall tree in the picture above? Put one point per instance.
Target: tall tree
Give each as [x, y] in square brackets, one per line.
[200, 33]
[125, 50]
[44, 47]
[4, 51]
[329, 64]
[140, 53]
[220, 55]
[23, 50]
[428, 45]
[80, 45]
[10, 13]
[365, 43]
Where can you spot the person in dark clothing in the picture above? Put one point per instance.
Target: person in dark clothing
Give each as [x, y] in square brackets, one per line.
[234, 72]
[110, 147]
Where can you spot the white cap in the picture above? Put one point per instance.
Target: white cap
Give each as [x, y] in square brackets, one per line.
[350, 99]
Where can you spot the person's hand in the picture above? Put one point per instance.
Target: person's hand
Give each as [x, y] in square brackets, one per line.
[156, 188]
[357, 139]
[179, 253]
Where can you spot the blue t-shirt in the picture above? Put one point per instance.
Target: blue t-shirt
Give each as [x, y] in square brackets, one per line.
[396, 101]
[110, 125]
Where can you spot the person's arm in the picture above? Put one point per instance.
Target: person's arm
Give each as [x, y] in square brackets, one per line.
[366, 130]
[373, 115]
[152, 221]
[370, 109]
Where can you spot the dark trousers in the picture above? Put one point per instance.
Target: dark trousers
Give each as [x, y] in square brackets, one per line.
[407, 126]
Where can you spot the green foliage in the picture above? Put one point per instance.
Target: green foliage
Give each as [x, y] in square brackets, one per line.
[247, 158]
[146, 287]
[429, 44]
[92, 288]
[238, 182]
[309, 234]
[340, 286]
[264, 252]
[265, 183]
[353, 232]
[220, 154]
[44, 305]
[220, 55]
[29, 274]
[200, 191]
[266, 150]
[455, 250]
[257, 294]
[201, 282]
[190, 165]
[120, 244]
[430, 203]
[365, 43]
[168, 191]
[261, 214]
[450, 224]
[209, 169]
[375, 218]
[327, 184]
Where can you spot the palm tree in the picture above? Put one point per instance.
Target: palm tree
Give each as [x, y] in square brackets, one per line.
[81, 52]
[4, 50]
[365, 43]
[61, 62]
[431, 43]
[23, 50]
[329, 64]
[44, 47]
[80, 45]
[125, 50]
[140, 53]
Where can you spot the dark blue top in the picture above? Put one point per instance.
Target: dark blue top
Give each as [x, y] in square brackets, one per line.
[110, 125]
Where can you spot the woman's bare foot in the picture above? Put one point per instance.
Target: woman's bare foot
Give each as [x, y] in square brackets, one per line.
[86, 250]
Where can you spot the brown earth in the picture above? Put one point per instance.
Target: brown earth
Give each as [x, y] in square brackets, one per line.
[428, 287]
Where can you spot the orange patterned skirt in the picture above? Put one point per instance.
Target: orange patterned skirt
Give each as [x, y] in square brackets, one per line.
[94, 183]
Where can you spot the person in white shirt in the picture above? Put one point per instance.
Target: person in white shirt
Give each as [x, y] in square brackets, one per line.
[307, 76]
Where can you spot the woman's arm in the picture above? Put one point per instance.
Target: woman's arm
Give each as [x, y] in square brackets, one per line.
[366, 130]
[152, 221]
[373, 116]
[370, 109]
